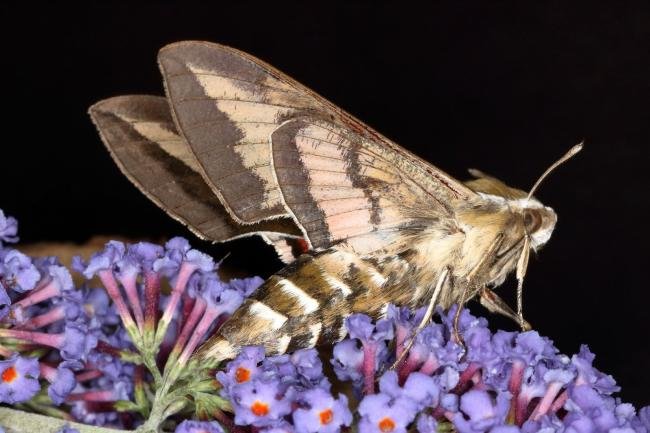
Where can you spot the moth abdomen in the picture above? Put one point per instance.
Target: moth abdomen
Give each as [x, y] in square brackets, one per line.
[304, 305]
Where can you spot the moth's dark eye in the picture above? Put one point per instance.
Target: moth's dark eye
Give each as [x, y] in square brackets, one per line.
[532, 220]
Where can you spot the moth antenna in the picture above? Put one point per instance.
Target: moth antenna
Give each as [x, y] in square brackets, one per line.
[575, 149]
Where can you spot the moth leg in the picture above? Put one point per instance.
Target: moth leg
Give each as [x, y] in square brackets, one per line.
[455, 334]
[522, 265]
[442, 279]
[495, 304]
[477, 270]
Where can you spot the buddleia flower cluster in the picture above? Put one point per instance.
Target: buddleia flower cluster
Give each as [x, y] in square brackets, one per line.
[503, 382]
[102, 352]
[116, 350]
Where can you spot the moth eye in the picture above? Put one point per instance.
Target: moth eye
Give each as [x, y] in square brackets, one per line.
[531, 220]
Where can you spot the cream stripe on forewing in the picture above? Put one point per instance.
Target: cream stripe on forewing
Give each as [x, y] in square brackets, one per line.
[254, 112]
[253, 154]
[262, 311]
[219, 87]
[308, 303]
[225, 87]
[222, 86]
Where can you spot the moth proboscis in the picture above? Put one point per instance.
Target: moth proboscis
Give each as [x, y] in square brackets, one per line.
[237, 148]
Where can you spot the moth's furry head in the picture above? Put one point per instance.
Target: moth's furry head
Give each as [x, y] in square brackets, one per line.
[506, 213]
[536, 220]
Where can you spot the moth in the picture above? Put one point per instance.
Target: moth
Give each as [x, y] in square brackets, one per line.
[237, 148]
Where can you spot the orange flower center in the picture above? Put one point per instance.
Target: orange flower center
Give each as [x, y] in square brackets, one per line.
[326, 416]
[259, 409]
[242, 375]
[386, 425]
[9, 375]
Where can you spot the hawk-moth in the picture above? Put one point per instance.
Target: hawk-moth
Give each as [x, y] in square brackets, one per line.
[237, 148]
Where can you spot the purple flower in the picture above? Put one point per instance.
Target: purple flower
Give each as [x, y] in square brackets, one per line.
[587, 374]
[384, 414]
[279, 427]
[280, 367]
[17, 272]
[258, 403]
[5, 302]
[178, 252]
[77, 342]
[62, 384]
[430, 350]
[243, 368]
[427, 424]
[482, 411]
[600, 409]
[146, 254]
[104, 260]
[246, 286]
[18, 379]
[309, 367]
[405, 322]
[85, 412]
[188, 426]
[420, 388]
[505, 429]
[175, 250]
[8, 229]
[324, 413]
[644, 417]
[360, 327]
[96, 304]
[219, 296]
[348, 361]
[373, 339]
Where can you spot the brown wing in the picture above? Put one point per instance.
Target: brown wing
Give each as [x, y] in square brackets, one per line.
[226, 104]
[141, 137]
[344, 188]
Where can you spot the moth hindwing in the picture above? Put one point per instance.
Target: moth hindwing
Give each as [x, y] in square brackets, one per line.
[238, 148]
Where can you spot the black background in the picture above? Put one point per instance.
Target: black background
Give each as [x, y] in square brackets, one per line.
[504, 87]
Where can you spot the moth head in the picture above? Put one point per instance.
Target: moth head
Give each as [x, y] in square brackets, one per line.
[536, 220]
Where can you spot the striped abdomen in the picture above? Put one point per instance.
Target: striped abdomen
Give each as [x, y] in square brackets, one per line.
[306, 303]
